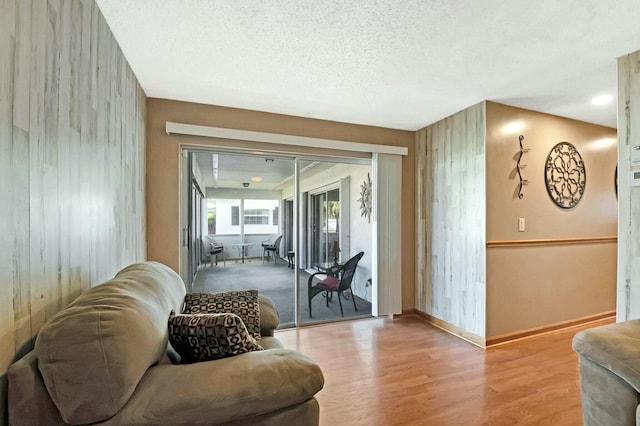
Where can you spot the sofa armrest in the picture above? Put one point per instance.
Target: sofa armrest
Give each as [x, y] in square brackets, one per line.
[606, 398]
[269, 318]
[615, 347]
[29, 402]
[224, 390]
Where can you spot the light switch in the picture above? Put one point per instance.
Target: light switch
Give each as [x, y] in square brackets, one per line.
[521, 224]
[634, 178]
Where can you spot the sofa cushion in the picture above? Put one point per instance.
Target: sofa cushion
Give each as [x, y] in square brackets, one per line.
[270, 342]
[205, 337]
[269, 318]
[329, 284]
[242, 303]
[93, 353]
[236, 388]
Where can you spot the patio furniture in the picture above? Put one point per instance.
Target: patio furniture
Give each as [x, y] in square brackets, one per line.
[242, 249]
[329, 268]
[291, 257]
[212, 248]
[275, 248]
[338, 280]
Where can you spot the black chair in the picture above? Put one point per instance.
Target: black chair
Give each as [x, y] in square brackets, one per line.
[336, 279]
[213, 249]
[275, 248]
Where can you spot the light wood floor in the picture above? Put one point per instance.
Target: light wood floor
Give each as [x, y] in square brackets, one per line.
[407, 372]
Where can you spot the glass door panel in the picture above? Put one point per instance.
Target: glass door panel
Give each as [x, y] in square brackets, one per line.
[332, 234]
[245, 197]
[312, 205]
[328, 217]
[325, 227]
[318, 225]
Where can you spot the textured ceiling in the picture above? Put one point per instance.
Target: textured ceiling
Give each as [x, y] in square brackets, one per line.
[219, 170]
[231, 171]
[394, 63]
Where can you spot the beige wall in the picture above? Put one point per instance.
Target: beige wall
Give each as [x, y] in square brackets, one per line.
[595, 215]
[163, 154]
[533, 286]
[71, 163]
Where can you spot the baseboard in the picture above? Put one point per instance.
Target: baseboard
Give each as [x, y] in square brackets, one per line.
[510, 337]
[445, 326]
[517, 335]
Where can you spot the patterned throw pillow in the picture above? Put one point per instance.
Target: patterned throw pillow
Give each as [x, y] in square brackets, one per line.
[205, 337]
[242, 303]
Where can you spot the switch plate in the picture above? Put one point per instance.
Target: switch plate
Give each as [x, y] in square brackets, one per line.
[521, 224]
[634, 178]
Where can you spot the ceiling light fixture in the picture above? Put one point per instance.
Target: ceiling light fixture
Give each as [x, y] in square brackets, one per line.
[256, 179]
[601, 99]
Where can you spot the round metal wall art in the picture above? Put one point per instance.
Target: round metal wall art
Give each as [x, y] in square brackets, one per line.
[615, 181]
[366, 198]
[565, 175]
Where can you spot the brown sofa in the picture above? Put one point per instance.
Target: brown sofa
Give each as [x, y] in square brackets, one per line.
[609, 362]
[103, 359]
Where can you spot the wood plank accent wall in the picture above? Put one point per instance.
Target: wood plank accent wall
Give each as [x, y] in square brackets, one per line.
[628, 291]
[72, 139]
[451, 220]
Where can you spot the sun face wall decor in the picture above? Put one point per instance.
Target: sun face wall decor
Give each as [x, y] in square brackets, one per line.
[365, 198]
[565, 175]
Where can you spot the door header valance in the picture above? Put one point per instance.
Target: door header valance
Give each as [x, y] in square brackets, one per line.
[275, 138]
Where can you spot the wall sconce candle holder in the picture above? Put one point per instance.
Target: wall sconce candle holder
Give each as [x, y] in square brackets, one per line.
[520, 166]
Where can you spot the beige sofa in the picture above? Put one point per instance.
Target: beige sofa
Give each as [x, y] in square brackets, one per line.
[103, 359]
[609, 362]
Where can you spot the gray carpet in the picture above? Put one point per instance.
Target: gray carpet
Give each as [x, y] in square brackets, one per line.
[276, 281]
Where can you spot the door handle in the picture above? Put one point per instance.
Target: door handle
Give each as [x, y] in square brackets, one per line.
[185, 237]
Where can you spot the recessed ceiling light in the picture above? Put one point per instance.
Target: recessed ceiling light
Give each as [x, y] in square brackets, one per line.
[601, 99]
[256, 179]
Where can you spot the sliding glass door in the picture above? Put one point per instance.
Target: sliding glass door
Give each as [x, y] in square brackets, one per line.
[332, 231]
[325, 226]
[245, 222]
[280, 225]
